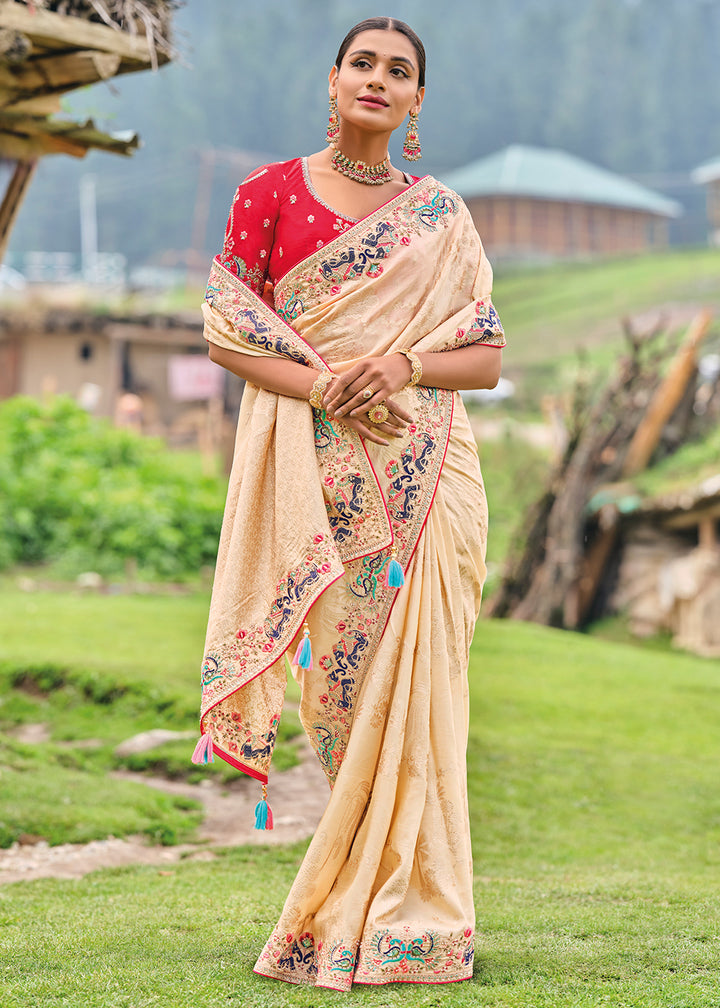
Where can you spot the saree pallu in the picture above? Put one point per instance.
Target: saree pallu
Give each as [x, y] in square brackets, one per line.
[313, 516]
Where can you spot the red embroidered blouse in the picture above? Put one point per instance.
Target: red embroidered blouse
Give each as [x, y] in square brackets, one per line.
[277, 219]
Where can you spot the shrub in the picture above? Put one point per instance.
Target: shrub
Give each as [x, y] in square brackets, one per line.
[75, 489]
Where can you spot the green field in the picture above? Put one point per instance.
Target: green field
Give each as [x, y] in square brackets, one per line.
[595, 815]
[555, 315]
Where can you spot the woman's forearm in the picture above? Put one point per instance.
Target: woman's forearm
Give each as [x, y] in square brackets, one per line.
[472, 367]
[286, 377]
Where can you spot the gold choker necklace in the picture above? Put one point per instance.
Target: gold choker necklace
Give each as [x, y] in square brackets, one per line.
[360, 171]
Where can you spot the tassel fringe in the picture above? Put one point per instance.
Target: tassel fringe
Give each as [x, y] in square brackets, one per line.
[263, 812]
[303, 655]
[204, 750]
[394, 577]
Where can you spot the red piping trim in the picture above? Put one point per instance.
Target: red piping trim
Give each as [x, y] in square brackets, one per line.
[239, 766]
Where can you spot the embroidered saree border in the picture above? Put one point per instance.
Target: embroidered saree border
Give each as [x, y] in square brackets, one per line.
[365, 511]
[409, 954]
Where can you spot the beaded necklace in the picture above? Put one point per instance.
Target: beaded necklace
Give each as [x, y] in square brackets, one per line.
[360, 171]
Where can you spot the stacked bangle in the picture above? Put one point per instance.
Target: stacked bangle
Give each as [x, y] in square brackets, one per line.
[318, 390]
[416, 366]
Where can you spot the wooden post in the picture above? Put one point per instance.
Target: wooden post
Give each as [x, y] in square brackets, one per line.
[17, 187]
[666, 398]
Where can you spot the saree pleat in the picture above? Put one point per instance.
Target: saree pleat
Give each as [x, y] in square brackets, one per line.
[385, 890]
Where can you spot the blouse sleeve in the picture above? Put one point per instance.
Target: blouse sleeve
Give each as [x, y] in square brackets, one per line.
[251, 227]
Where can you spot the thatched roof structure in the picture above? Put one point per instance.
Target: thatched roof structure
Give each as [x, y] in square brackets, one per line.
[51, 47]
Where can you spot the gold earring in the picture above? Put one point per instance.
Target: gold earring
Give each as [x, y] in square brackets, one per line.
[333, 130]
[411, 148]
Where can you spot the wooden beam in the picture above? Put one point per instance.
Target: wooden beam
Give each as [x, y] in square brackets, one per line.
[18, 148]
[17, 187]
[693, 516]
[56, 74]
[60, 31]
[43, 105]
[666, 398]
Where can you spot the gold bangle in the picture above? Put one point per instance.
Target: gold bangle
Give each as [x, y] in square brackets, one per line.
[415, 364]
[318, 389]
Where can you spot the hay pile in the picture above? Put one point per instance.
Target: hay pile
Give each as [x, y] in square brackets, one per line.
[149, 17]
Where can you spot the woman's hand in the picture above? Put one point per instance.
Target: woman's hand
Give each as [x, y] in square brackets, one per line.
[384, 376]
[374, 432]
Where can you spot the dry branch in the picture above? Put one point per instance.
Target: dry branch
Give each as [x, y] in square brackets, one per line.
[554, 578]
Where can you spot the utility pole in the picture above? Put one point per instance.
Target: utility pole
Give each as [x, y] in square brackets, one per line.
[88, 228]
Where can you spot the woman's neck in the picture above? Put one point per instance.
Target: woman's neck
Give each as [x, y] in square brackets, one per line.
[359, 145]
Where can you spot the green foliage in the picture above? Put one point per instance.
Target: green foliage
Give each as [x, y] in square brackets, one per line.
[76, 489]
[687, 467]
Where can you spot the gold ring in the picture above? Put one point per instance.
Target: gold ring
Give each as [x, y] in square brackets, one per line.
[379, 413]
[369, 392]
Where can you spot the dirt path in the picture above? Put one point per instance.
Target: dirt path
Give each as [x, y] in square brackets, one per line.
[298, 798]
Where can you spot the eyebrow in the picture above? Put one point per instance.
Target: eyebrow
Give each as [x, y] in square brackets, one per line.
[393, 59]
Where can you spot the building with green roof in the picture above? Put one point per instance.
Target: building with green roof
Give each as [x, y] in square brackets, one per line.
[530, 202]
[708, 175]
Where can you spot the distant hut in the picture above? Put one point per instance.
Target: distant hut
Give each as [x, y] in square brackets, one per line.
[529, 202]
[708, 175]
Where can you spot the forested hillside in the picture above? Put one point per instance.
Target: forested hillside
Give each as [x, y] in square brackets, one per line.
[628, 84]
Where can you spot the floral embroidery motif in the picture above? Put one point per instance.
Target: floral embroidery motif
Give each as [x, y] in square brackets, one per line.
[293, 198]
[414, 954]
[258, 325]
[252, 277]
[430, 213]
[485, 327]
[266, 222]
[267, 641]
[248, 203]
[311, 218]
[342, 958]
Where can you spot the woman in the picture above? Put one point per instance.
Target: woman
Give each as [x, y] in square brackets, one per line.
[355, 471]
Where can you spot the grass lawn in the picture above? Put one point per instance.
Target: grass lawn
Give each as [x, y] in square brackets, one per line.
[596, 825]
[98, 669]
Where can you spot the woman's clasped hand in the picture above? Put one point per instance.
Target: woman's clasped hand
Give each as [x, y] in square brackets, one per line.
[353, 395]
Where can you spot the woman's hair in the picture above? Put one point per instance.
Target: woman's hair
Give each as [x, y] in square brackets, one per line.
[385, 24]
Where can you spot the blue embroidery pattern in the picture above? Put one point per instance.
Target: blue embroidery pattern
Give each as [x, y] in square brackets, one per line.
[430, 213]
[354, 263]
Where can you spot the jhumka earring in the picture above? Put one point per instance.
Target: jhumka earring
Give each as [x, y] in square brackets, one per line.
[333, 130]
[411, 147]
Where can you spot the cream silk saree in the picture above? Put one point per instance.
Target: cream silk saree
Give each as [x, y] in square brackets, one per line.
[313, 514]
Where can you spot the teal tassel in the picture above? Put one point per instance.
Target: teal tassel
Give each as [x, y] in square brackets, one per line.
[303, 655]
[263, 812]
[394, 577]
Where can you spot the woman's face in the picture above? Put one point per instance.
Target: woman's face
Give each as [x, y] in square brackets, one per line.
[377, 83]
